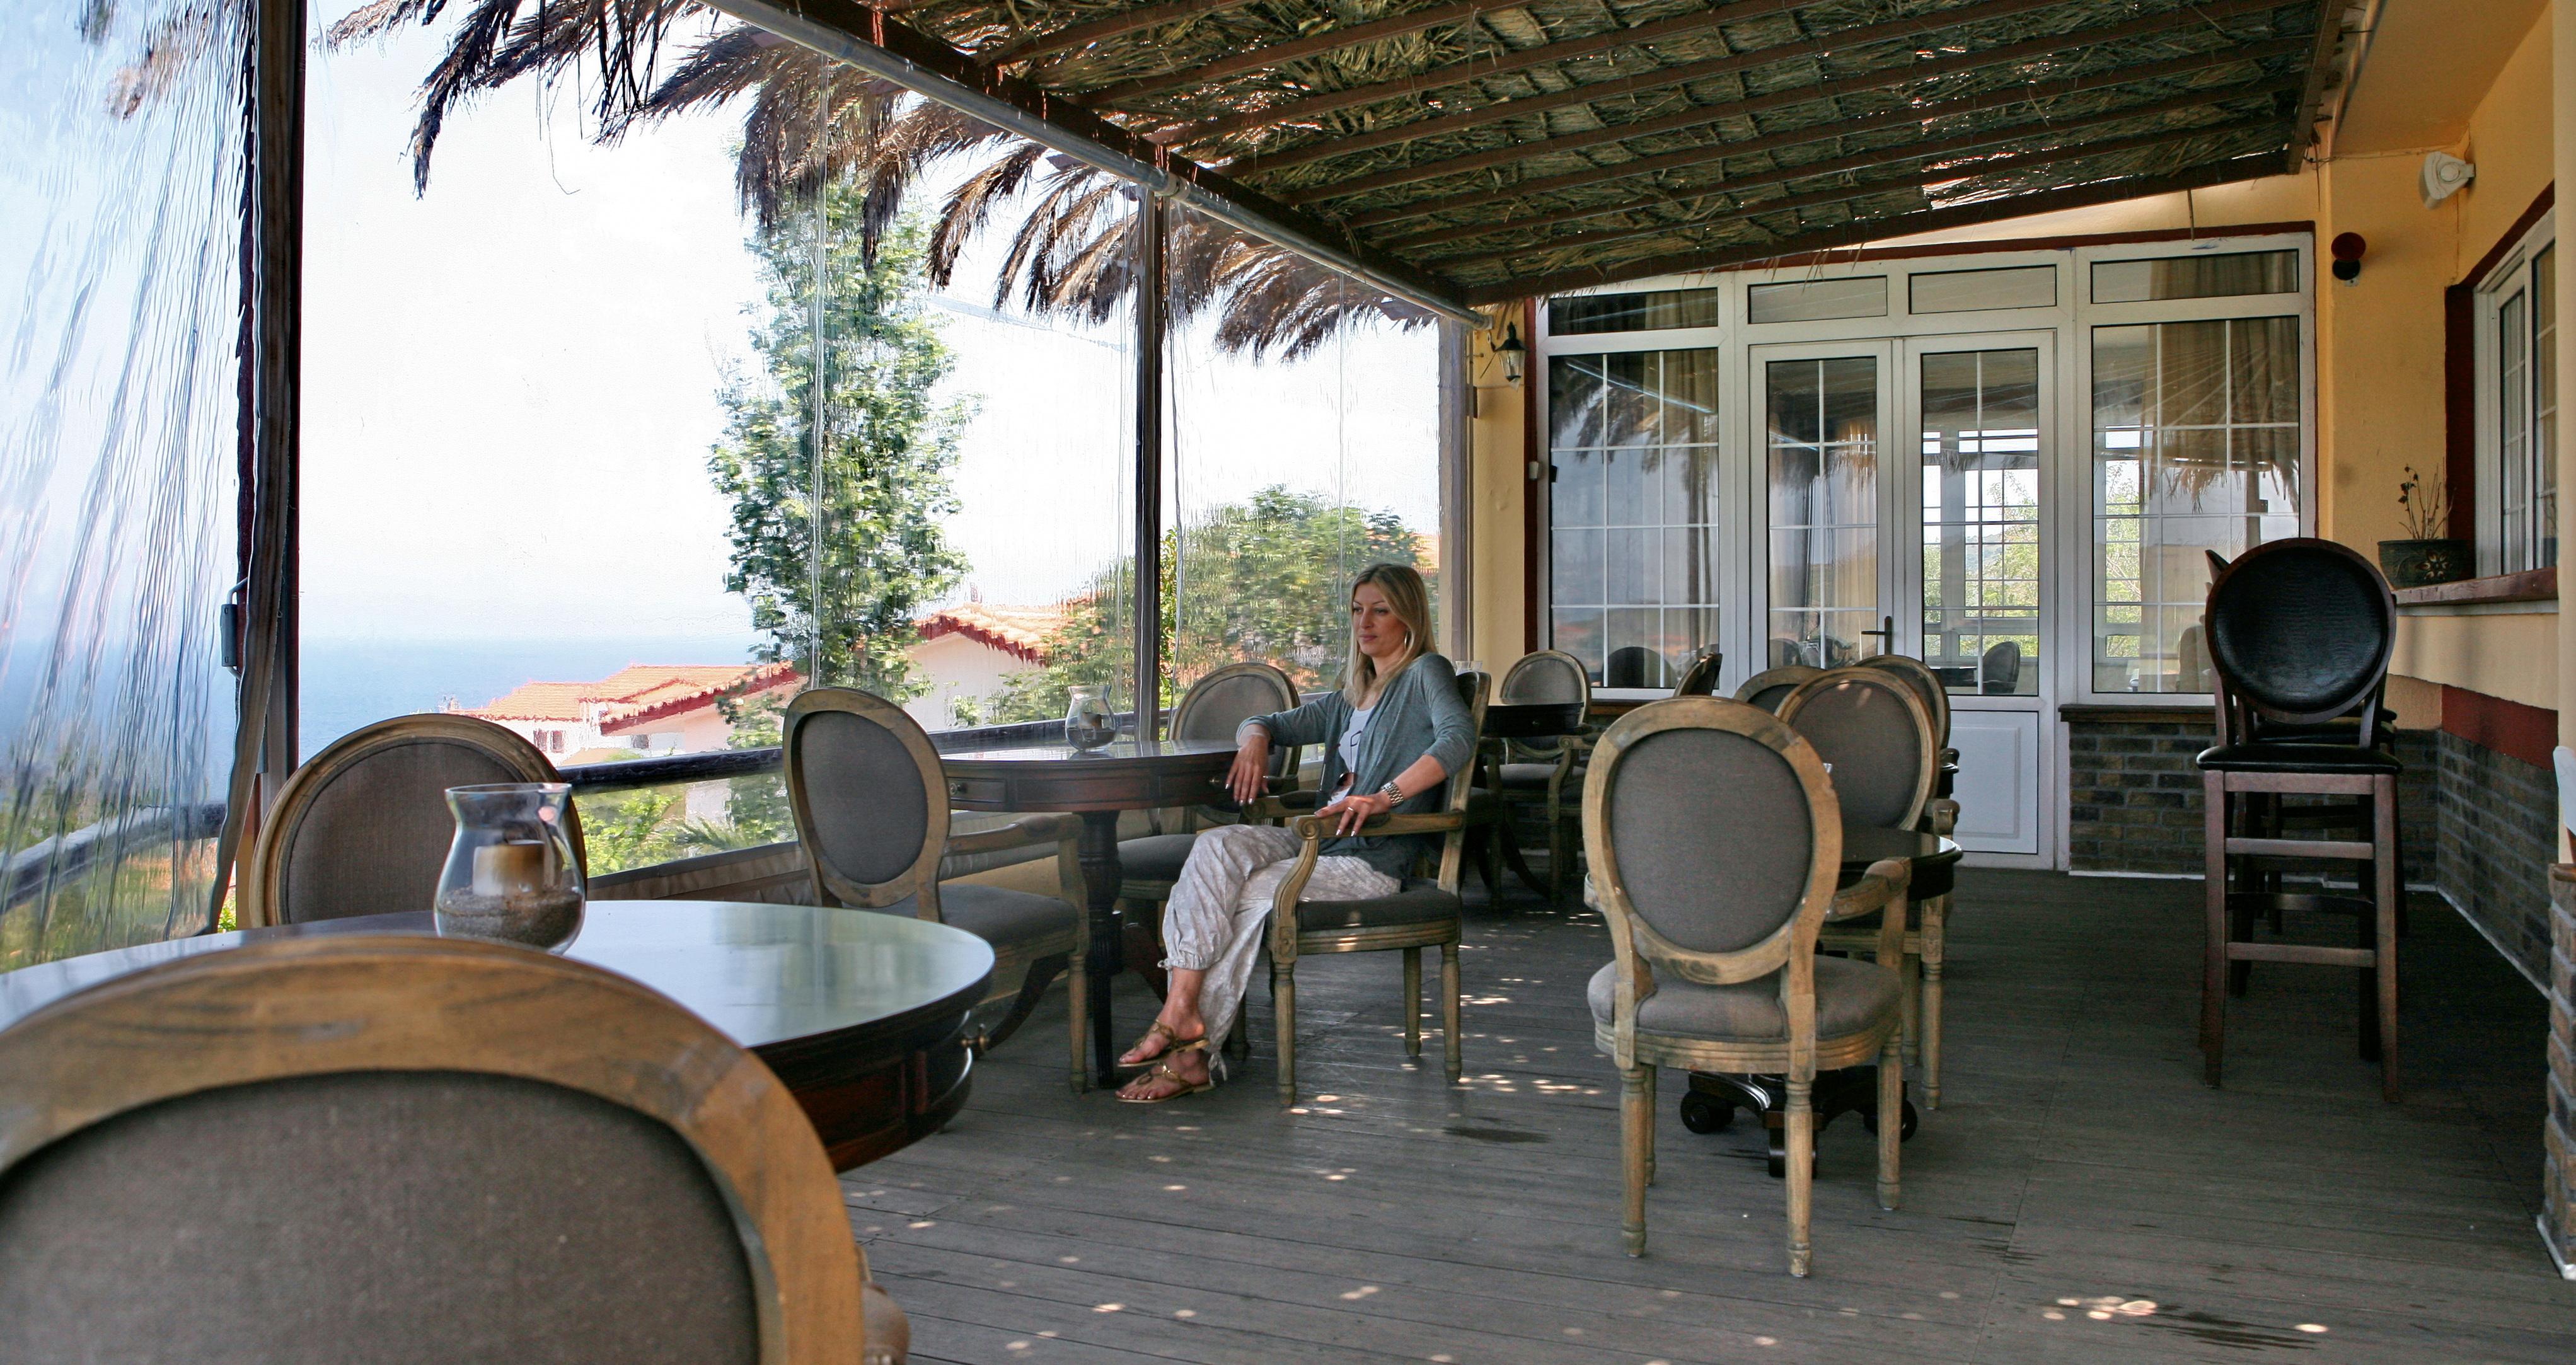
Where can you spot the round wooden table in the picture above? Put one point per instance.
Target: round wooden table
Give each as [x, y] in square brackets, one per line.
[1097, 784]
[861, 1014]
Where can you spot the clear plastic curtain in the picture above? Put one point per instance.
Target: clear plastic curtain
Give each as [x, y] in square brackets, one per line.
[1289, 473]
[120, 280]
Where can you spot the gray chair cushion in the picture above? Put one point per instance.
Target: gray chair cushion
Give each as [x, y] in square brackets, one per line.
[1155, 857]
[373, 839]
[864, 793]
[1712, 836]
[998, 915]
[1851, 997]
[1214, 710]
[1419, 901]
[368, 1218]
[1541, 677]
[1876, 749]
[1533, 776]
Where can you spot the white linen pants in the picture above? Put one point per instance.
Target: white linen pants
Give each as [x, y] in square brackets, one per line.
[1214, 920]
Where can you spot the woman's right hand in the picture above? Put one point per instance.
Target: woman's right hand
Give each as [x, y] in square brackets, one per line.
[1251, 767]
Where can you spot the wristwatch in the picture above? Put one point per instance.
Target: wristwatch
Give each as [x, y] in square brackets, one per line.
[1392, 793]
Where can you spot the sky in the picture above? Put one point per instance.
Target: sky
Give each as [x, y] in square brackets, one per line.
[510, 384]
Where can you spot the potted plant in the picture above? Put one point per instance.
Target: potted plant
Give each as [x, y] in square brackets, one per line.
[2426, 556]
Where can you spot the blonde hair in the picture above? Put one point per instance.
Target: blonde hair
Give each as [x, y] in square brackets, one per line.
[1410, 599]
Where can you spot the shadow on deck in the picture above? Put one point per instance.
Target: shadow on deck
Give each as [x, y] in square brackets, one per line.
[2080, 1196]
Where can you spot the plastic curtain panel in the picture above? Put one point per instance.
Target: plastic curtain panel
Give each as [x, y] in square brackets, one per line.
[1288, 475]
[120, 235]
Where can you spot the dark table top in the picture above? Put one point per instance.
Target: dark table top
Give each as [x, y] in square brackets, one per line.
[763, 975]
[1124, 751]
[1866, 844]
[1532, 719]
[1126, 774]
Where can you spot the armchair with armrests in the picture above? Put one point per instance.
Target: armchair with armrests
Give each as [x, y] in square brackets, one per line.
[1716, 843]
[871, 805]
[1211, 711]
[1423, 913]
[372, 1149]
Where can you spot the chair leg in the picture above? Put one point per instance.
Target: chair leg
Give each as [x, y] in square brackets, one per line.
[1636, 1143]
[1936, 929]
[1891, 1120]
[1283, 1004]
[2213, 973]
[1802, 1168]
[1909, 1002]
[1238, 1039]
[1412, 1002]
[1555, 852]
[1449, 1021]
[2391, 891]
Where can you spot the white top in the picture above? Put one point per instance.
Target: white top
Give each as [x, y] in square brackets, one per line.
[1350, 746]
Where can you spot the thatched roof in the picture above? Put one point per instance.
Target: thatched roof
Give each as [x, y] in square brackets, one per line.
[1500, 150]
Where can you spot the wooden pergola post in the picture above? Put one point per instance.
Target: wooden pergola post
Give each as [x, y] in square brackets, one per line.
[1152, 319]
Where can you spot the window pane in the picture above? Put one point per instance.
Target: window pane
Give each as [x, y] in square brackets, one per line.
[1981, 584]
[1822, 476]
[2196, 277]
[2195, 449]
[1636, 598]
[2544, 406]
[1639, 312]
[2513, 428]
[1960, 291]
[1816, 300]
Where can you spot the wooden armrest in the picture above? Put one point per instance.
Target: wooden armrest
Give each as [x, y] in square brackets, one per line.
[1321, 827]
[1885, 881]
[1943, 816]
[1040, 828]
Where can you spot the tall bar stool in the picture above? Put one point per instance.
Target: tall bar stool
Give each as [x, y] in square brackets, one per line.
[2299, 634]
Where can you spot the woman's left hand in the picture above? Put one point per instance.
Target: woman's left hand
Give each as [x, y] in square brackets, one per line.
[1355, 811]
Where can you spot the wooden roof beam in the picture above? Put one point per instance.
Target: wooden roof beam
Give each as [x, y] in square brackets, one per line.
[1930, 175]
[2011, 97]
[1861, 231]
[1297, 49]
[2185, 17]
[1872, 159]
[1073, 37]
[866, 39]
[1711, 113]
[1495, 63]
[2320, 65]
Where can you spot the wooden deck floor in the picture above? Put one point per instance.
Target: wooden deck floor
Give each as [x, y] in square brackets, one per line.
[2080, 1197]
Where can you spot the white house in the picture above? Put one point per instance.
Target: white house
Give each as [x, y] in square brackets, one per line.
[967, 651]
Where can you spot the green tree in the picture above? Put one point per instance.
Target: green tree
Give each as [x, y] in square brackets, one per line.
[1263, 579]
[871, 470]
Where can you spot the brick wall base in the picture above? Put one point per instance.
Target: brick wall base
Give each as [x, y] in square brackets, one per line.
[2558, 1179]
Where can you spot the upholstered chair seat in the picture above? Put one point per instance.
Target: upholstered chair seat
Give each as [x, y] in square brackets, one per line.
[2299, 758]
[1852, 998]
[1154, 858]
[1523, 777]
[995, 914]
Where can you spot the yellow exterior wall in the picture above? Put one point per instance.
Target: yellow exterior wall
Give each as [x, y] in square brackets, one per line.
[2509, 142]
[1500, 490]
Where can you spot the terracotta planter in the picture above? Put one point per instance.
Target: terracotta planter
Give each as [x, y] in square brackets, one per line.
[2419, 563]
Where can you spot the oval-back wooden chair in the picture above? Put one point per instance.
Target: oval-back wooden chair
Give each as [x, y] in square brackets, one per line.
[362, 828]
[1544, 773]
[1420, 914]
[1870, 725]
[1772, 686]
[1716, 843]
[871, 804]
[347, 1147]
[1700, 680]
[1927, 689]
[1210, 712]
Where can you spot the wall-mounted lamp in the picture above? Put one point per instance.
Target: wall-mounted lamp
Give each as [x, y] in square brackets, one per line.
[1515, 354]
[2347, 248]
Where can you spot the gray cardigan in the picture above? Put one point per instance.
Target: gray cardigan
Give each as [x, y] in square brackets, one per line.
[1417, 713]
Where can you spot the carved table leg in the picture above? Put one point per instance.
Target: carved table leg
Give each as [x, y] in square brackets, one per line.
[1100, 876]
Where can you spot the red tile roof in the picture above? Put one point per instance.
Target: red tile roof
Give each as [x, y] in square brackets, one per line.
[636, 694]
[1020, 631]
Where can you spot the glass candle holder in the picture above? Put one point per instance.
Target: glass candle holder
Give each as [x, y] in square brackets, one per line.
[511, 876]
[1089, 722]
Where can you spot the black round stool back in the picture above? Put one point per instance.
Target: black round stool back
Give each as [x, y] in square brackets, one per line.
[2301, 630]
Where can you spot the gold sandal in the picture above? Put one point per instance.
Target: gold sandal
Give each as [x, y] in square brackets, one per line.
[1164, 1071]
[1174, 1047]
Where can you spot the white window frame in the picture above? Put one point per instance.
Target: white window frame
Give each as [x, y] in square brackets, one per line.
[2499, 550]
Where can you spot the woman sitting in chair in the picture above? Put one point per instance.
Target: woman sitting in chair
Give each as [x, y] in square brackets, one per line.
[1397, 729]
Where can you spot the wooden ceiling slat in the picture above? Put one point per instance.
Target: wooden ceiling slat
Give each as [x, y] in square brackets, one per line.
[2013, 97]
[1863, 230]
[1707, 113]
[1073, 36]
[2320, 65]
[1296, 49]
[1480, 67]
[1262, 163]
[1872, 159]
[2276, 128]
